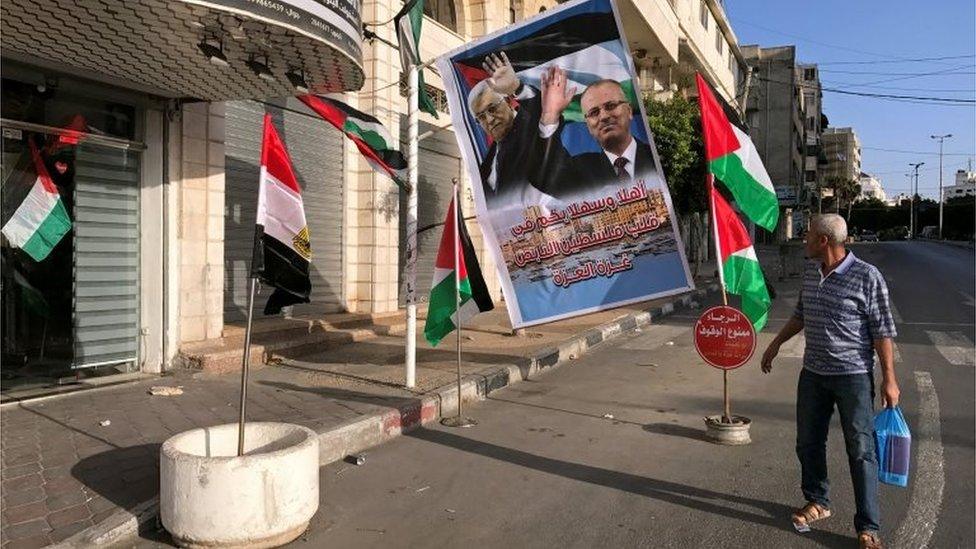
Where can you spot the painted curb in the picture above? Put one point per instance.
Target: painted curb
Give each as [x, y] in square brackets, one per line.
[366, 432]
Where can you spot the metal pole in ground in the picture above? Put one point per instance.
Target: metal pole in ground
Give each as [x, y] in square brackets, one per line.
[727, 405]
[411, 266]
[459, 420]
[914, 166]
[246, 361]
[941, 139]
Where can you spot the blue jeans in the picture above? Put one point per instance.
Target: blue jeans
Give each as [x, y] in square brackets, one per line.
[853, 394]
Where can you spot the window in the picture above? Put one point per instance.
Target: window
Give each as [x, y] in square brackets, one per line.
[703, 16]
[809, 74]
[811, 175]
[443, 12]
[732, 61]
[719, 40]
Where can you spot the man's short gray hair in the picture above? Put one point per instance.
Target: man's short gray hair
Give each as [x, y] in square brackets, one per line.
[832, 226]
[477, 91]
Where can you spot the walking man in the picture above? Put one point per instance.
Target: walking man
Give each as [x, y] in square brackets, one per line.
[844, 313]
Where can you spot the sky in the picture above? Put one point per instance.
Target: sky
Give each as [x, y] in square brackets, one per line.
[859, 43]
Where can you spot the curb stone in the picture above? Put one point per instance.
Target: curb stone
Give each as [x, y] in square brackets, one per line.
[366, 432]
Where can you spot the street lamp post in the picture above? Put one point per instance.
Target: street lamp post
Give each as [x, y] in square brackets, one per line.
[911, 230]
[941, 139]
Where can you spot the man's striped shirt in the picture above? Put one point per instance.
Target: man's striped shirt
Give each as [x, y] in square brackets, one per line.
[843, 313]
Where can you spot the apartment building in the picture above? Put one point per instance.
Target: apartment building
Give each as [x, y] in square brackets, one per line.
[843, 151]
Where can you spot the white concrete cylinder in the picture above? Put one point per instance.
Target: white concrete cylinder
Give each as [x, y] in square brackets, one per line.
[731, 434]
[210, 497]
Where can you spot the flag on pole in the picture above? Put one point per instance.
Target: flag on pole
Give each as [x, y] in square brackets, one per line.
[442, 310]
[281, 247]
[366, 131]
[408, 23]
[740, 272]
[732, 158]
[41, 220]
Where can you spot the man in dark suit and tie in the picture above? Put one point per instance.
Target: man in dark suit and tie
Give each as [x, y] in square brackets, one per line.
[513, 132]
[608, 116]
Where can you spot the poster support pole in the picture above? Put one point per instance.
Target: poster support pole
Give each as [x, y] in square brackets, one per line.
[411, 266]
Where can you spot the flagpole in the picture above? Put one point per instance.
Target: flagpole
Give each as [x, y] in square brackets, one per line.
[459, 420]
[411, 267]
[244, 366]
[727, 405]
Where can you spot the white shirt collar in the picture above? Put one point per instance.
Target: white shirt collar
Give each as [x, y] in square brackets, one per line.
[630, 153]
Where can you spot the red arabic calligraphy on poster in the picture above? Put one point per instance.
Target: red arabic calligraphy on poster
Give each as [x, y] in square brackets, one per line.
[724, 337]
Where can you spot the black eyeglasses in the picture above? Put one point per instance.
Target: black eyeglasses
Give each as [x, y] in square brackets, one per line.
[491, 110]
[609, 106]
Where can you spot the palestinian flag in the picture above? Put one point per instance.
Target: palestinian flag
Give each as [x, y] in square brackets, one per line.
[41, 220]
[732, 159]
[451, 281]
[370, 137]
[408, 23]
[281, 248]
[740, 272]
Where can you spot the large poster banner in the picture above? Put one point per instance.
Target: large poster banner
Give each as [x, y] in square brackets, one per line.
[567, 183]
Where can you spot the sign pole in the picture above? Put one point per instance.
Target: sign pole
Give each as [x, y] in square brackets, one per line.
[244, 366]
[727, 405]
[459, 420]
[411, 267]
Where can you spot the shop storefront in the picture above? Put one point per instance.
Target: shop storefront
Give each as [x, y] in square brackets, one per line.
[124, 105]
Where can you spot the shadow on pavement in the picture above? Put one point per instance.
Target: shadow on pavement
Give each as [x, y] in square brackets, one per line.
[673, 430]
[772, 514]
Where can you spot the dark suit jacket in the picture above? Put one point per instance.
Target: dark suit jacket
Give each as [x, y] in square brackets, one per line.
[563, 176]
[514, 152]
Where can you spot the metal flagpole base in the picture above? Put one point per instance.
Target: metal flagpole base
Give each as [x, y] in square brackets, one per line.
[458, 421]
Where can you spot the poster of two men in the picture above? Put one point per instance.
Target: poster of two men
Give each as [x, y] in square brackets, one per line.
[567, 184]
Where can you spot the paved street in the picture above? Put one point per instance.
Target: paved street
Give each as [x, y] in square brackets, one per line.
[546, 467]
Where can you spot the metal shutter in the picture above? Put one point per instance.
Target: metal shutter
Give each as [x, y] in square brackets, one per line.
[440, 160]
[106, 255]
[316, 152]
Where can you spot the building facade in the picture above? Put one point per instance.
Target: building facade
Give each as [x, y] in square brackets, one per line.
[160, 130]
[775, 116]
[871, 187]
[965, 185]
[843, 151]
[814, 123]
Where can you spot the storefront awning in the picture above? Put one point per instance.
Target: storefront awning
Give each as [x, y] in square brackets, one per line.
[211, 50]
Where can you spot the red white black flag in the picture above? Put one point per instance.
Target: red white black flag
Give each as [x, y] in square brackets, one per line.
[281, 249]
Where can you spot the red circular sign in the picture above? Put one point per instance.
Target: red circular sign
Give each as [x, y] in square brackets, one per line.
[724, 337]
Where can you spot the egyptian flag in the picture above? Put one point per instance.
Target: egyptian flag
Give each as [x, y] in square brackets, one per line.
[41, 220]
[369, 135]
[281, 248]
[732, 158]
[452, 283]
[740, 273]
[408, 23]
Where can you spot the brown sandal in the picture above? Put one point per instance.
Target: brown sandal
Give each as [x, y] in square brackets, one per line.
[869, 540]
[810, 513]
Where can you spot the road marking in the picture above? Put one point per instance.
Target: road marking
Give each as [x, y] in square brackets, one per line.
[926, 501]
[970, 301]
[794, 348]
[954, 347]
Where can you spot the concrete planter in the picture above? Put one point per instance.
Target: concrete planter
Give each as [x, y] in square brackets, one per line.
[210, 497]
[732, 434]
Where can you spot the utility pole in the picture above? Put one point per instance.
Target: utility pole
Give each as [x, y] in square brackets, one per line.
[911, 229]
[941, 139]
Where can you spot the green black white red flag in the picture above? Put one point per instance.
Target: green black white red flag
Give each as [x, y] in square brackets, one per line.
[369, 135]
[740, 272]
[443, 316]
[408, 23]
[733, 159]
[41, 220]
[281, 247]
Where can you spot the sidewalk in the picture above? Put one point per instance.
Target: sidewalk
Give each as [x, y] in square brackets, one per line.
[83, 468]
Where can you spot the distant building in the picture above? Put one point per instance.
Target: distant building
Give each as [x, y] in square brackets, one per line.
[965, 185]
[843, 151]
[813, 122]
[871, 187]
[775, 116]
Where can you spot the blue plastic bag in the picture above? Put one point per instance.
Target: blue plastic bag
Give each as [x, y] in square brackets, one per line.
[894, 446]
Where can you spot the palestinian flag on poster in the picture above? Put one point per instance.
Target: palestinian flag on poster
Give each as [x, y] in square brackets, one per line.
[408, 23]
[442, 313]
[740, 271]
[281, 247]
[41, 220]
[732, 159]
[369, 135]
